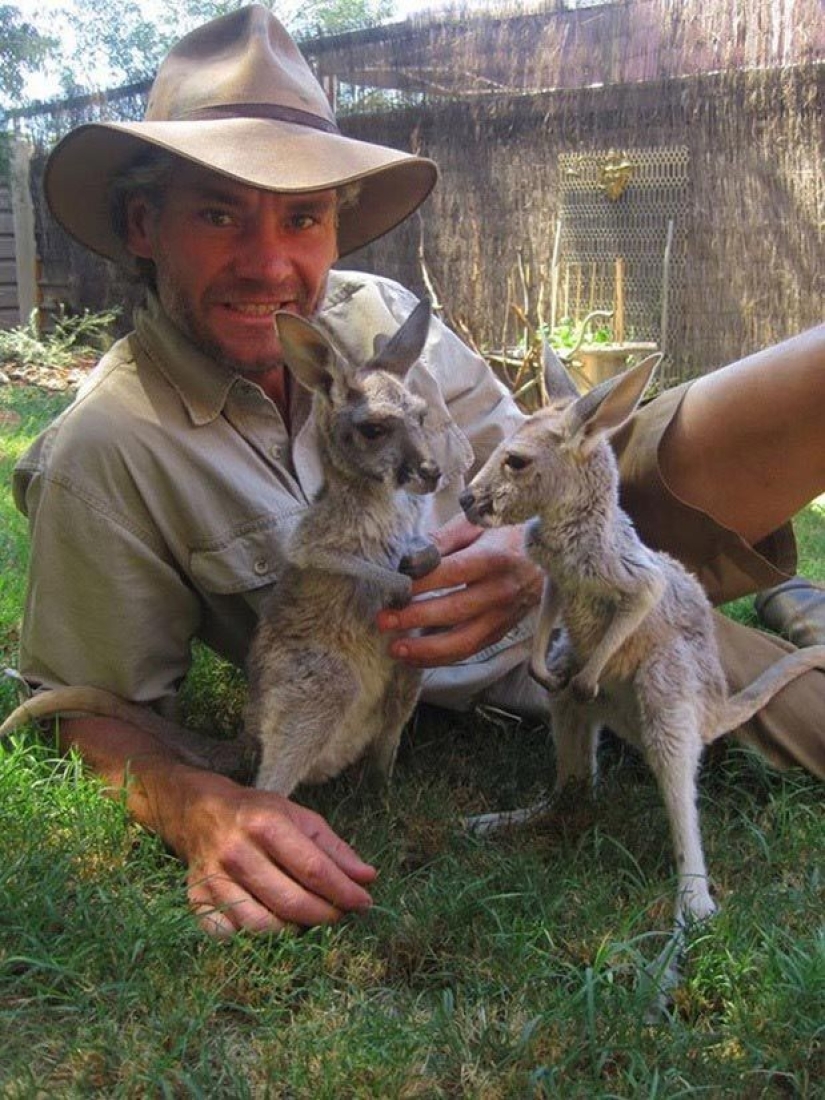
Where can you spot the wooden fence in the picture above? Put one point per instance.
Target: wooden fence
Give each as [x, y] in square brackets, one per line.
[718, 229]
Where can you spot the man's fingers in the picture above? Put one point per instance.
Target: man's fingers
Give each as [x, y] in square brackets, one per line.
[224, 908]
[319, 832]
[313, 886]
[457, 644]
[305, 902]
[464, 566]
[456, 534]
[272, 863]
[501, 597]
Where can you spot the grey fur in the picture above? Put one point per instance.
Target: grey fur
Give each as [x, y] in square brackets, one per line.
[636, 650]
[323, 688]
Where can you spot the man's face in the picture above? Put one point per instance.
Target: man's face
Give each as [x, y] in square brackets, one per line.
[227, 256]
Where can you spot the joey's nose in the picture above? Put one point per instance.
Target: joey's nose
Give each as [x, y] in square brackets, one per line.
[430, 473]
[467, 499]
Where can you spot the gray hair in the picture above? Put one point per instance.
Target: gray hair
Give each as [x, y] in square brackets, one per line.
[149, 176]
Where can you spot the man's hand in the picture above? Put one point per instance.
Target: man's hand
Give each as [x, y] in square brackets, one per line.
[493, 586]
[260, 862]
[256, 861]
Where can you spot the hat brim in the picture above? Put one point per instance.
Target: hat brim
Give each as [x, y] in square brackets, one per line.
[266, 153]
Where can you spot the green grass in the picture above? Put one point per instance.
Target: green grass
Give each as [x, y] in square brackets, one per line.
[504, 967]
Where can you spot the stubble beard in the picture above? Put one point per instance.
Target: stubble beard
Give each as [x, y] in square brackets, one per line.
[183, 316]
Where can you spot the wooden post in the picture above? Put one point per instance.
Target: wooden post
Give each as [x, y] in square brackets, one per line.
[577, 314]
[665, 288]
[554, 276]
[25, 247]
[618, 320]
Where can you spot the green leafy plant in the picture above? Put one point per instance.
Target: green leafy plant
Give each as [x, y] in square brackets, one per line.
[568, 333]
[71, 336]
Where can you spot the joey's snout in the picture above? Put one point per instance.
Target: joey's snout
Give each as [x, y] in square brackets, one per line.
[421, 477]
[477, 507]
[429, 474]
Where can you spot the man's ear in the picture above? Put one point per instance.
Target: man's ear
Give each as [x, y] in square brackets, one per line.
[140, 214]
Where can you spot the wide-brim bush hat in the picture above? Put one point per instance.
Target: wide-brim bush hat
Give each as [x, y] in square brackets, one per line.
[237, 97]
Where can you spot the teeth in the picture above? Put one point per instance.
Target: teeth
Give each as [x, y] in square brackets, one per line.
[254, 309]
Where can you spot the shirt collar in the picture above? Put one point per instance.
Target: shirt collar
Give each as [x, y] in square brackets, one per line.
[202, 384]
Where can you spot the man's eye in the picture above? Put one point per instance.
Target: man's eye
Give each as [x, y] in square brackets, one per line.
[304, 221]
[217, 217]
[372, 431]
[516, 462]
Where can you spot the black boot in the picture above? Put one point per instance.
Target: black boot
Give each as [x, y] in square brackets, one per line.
[795, 609]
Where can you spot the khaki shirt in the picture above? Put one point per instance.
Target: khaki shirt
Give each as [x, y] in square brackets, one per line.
[159, 502]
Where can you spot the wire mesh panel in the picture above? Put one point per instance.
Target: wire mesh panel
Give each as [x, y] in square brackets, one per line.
[624, 222]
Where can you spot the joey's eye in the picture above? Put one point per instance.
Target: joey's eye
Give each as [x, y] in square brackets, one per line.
[372, 430]
[516, 462]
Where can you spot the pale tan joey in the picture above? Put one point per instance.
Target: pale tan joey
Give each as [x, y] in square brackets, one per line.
[629, 631]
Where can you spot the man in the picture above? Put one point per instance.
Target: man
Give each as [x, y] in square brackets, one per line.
[159, 502]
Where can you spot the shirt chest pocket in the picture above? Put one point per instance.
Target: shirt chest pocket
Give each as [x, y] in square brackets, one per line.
[245, 561]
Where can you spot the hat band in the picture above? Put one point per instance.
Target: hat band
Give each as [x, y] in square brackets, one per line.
[266, 110]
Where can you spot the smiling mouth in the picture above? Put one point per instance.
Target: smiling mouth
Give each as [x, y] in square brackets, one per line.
[255, 309]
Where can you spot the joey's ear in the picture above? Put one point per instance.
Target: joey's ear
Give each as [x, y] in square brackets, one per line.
[307, 352]
[557, 380]
[604, 409]
[400, 352]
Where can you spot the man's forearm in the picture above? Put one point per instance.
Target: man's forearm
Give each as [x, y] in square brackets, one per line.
[255, 860]
[139, 768]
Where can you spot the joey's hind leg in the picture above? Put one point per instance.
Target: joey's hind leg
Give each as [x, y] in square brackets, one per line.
[673, 748]
[575, 729]
[575, 734]
[399, 703]
[297, 716]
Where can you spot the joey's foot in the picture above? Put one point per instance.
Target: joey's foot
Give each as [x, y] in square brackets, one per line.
[583, 689]
[694, 906]
[239, 760]
[485, 824]
[420, 561]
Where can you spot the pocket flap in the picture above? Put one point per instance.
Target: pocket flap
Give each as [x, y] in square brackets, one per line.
[248, 560]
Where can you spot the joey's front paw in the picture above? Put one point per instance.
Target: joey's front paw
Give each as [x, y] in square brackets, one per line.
[400, 595]
[554, 680]
[420, 560]
[583, 688]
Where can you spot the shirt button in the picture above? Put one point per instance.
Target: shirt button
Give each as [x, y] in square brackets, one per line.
[261, 566]
[276, 451]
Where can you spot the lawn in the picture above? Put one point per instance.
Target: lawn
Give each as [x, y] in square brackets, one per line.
[489, 967]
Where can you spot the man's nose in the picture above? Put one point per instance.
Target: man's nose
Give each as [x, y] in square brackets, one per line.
[265, 248]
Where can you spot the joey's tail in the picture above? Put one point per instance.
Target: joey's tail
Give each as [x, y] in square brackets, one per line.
[233, 758]
[749, 700]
